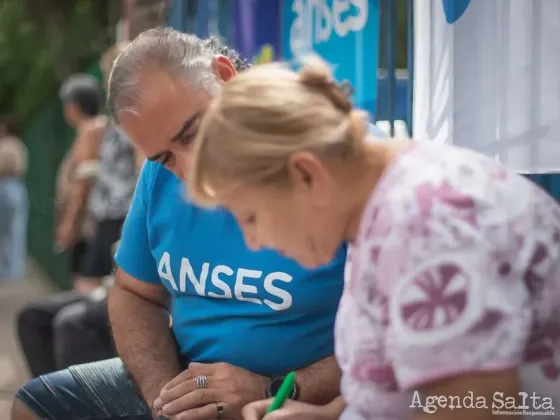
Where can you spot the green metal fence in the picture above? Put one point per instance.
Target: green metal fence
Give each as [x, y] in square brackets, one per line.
[47, 137]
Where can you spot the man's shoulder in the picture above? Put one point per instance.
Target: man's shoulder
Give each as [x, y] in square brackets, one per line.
[164, 187]
[154, 170]
[157, 179]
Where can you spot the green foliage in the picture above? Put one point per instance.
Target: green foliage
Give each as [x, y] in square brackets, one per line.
[41, 43]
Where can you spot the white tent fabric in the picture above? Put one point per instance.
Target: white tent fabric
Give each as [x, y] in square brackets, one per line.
[489, 80]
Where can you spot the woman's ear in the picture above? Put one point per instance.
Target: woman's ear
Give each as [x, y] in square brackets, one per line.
[309, 176]
[223, 68]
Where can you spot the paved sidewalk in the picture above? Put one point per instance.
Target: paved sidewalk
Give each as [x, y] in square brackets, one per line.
[13, 295]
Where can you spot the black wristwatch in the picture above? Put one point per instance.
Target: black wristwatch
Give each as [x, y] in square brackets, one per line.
[274, 386]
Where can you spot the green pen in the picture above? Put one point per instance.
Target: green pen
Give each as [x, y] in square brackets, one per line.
[284, 392]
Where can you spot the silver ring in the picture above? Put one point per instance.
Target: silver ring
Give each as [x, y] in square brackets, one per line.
[219, 410]
[201, 382]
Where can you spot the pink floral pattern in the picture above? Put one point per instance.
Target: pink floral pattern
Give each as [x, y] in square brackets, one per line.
[456, 269]
[435, 298]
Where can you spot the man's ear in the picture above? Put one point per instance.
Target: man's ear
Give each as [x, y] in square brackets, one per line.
[223, 68]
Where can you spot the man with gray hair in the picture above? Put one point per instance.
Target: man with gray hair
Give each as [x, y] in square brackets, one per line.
[241, 318]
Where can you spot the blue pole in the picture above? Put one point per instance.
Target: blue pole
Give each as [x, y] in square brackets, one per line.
[177, 15]
[390, 54]
[190, 15]
[233, 24]
[410, 98]
[202, 17]
[223, 18]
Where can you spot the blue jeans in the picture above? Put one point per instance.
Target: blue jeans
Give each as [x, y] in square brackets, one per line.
[14, 208]
[93, 391]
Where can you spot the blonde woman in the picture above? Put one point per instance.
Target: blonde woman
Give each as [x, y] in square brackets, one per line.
[451, 305]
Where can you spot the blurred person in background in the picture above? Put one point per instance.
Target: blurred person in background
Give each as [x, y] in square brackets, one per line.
[14, 202]
[99, 174]
[82, 98]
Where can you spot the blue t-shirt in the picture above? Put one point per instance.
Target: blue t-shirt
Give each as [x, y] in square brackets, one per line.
[256, 310]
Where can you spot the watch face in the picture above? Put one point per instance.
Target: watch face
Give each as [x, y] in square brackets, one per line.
[275, 385]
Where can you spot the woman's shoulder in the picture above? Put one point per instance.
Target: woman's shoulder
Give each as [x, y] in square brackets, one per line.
[12, 140]
[95, 125]
[12, 144]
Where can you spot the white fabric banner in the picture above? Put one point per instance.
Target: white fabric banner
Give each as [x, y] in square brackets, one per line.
[487, 77]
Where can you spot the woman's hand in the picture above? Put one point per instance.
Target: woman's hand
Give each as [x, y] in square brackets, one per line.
[292, 410]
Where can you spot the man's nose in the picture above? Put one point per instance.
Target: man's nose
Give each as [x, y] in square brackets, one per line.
[252, 241]
[182, 165]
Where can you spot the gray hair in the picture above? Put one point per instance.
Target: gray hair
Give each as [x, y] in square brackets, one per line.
[177, 53]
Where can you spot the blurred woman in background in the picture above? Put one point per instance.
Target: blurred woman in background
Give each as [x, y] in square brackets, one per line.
[82, 98]
[14, 202]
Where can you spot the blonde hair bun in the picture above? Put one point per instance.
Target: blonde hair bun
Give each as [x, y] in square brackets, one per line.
[316, 74]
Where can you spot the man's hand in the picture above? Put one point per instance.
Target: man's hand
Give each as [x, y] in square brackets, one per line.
[231, 386]
[292, 410]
